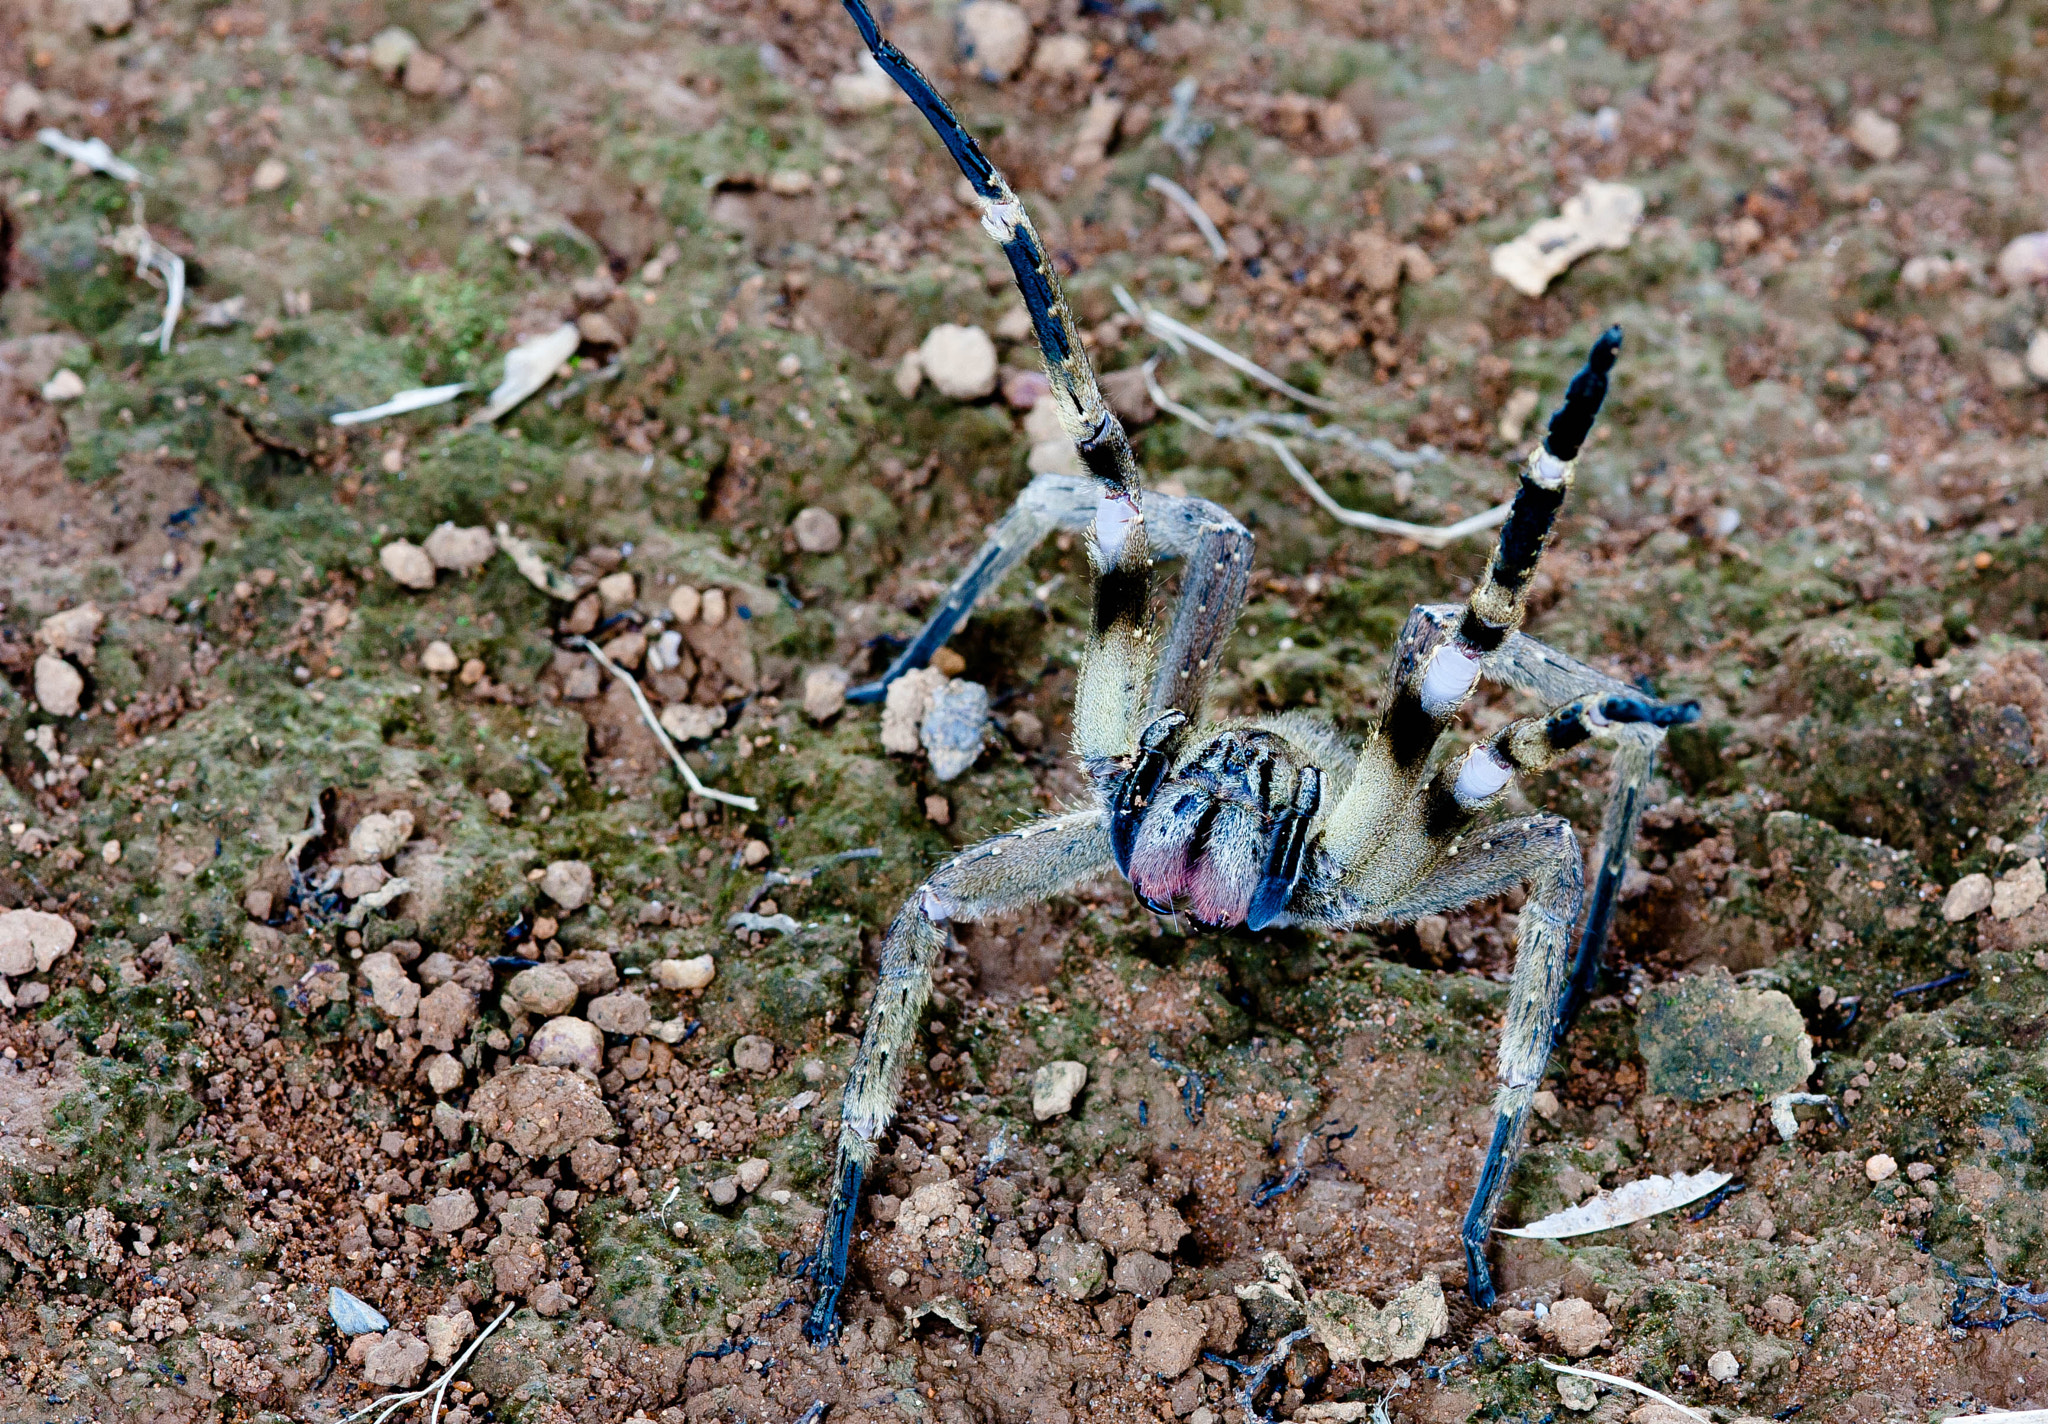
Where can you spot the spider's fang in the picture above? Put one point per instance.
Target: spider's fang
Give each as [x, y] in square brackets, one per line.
[1283, 862]
[1156, 748]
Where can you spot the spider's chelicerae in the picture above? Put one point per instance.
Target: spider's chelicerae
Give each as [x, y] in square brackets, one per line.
[1267, 821]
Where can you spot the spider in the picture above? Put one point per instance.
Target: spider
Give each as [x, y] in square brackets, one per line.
[1263, 822]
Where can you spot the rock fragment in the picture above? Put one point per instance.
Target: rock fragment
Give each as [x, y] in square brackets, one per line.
[959, 361]
[1723, 1367]
[75, 632]
[445, 1016]
[825, 693]
[409, 567]
[1166, 1337]
[59, 686]
[866, 90]
[397, 1361]
[2024, 260]
[622, 1012]
[1350, 1327]
[568, 1042]
[270, 175]
[1703, 1037]
[1969, 896]
[2018, 891]
[539, 1111]
[1142, 1274]
[545, 989]
[1881, 1168]
[379, 836]
[1575, 1327]
[1062, 56]
[817, 530]
[450, 1211]
[1074, 1268]
[32, 940]
[439, 657]
[391, 990]
[954, 725]
[908, 699]
[64, 385]
[1054, 1087]
[568, 883]
[460, 550]
[1875, 136]
[390, 49]
[447, 1334]
[1599, 216]
[681, 974]
[993, 37]
[753, 1054]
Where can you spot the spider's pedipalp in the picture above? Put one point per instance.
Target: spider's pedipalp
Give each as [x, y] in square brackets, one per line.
[1157, 746]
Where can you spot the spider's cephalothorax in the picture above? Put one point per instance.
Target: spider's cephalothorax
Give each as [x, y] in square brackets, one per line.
[1277, 820]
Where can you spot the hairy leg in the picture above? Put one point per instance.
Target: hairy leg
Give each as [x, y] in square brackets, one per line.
[1543, 853]
[1215, 554]
[1003, 873]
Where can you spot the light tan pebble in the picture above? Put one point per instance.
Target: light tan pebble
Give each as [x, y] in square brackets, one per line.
[444, 1073]
[621, 1012]
[426, 74]
[1919, 1171]
[1575, 1327]
[678, 975]
[1578, 1395]
[2018, 891]
[394, 994]
[1514, 416]
[439, 658]
[390, 49]
[752, 1173]
[545, 928]
[817, 530]
[711, 612]
[379, 836]
[397, 1361]
[270, 175]
[599, 329]
[568, 1042]
[753, 1054]
[1723, 1367]
[685, 603]
[257, 904]
[447, 1333]
[753, 852]
[867, 90]
[904, 707]
[2024, 260]
[360, 880]
[460, 549]
[1968, 896]
[938, 810]
[110, 852]
[109, 17]
[790, 182]
[65, 385]
[1054, 1087]
[499, 802]
[1064, 56]
[950, 663]
[687, 722]
[1546, 1105]
[2006, 371]
[1028, 730]
[909, 376]
[568, 883]
[33, 940]
[74, 632]
[1880, 1167]
[545, 989]
[993, 37]
[960, 361]
[445, 1016]
[2035, 362]
[825, 693]
[594, 1162]
[617, 590]
[450, 1211]
[407, 563]
[59, 686]
[628, 649]
[1875, 136]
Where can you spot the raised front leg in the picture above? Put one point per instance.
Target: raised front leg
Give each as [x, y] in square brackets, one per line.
[1019, 868]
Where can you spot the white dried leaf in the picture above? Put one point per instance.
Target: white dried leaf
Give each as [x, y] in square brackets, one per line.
[1600, 215]
[1637, 1201]
[529, 366]
[92, 152]
[418, 398]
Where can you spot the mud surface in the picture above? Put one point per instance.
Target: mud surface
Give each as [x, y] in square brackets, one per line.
[1816, 504]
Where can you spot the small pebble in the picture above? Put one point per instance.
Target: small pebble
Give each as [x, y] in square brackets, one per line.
[681, 974]
[1875, 136]
[270, 175]
[65, 385]
[993, 37]
[960, 361]
[753, 1054]
[460, 550]
[568, 883]
[1880, 1168]
[59, 686]
[617, 590]
[1723, 1367]
[825, 693]
[789, 183]
[685, 603]
[817, 530]
[1919, 1171]
[110, 852]
[1054, 1087]
[753, 852]
[1968, 896]
[713, 608]
[407, 563]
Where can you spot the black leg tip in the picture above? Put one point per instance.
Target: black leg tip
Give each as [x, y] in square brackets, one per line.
[1601, 357]
[1620, 708]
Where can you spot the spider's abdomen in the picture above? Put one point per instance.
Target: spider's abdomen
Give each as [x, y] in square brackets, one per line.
[1223, 834]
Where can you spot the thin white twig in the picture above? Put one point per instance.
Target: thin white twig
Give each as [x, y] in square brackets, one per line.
[392, 1403]
[1185, 201]
[1430, 536]
[93, 153]
[745, 803]
[1641, 1389]
[1167, 329]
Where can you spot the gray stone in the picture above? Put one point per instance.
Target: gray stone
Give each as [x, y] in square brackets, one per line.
[622, 1012]
[954, 726]
[568, 1042]
[753, 1054]
[397, 1361]
[1703, 1037]
[1053, 1087]
[568, 883]
[451, 1211]
[1142, 1274]
[545, 989]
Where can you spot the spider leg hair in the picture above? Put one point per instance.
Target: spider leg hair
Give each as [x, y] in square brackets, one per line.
[1215, 551]
[1087, 418]
[1543, 853]
[1003, 873]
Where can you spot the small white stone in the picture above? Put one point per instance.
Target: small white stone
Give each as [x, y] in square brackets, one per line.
[407, 563]
[789, 182]
[391, 49]
[621, 1012]
[460, 550]
[960, 361]
[825, 692]
[360, 880]
[1723, 1367]
[59, 686]
[65, 385]
[994, 36]
[909, 375]
[1875, 136]
[270, 175]
[687, 722]
[679, 974]
[545, 989]
[752, 1173]
[617, 590]
[568, 883]
[378, 836]
[1880, 1168]
[2036, 359]
[33, 940]
[685, 603]
[713, 608]
[816, 530]
[2024, 259]
[1062, 56]
[567, 1042]
[1054, 1087]
[2007, 371]
[865, 91]
[110, 852]
[2018, 891]
[439, 657]
[1969, 896]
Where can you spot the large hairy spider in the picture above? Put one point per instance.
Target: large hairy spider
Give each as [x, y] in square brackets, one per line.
[1267, 821]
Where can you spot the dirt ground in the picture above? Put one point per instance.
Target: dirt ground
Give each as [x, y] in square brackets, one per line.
[241, 1065]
